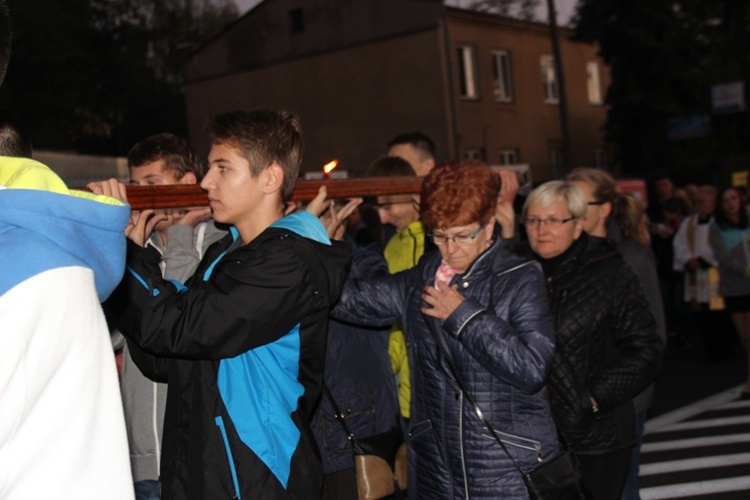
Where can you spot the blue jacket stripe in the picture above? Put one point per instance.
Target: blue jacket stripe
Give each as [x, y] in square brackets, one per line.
[230, 457]
[235, 234]
[260, 389]
[155, 292]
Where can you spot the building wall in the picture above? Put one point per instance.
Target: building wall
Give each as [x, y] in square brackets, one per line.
[277, 31]
[527, 124]
[363, 71]
[350, 101]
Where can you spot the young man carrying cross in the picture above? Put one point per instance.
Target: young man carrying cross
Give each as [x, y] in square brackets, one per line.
[242, 346]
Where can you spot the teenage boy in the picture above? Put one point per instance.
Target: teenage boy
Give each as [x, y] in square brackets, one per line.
[416, 148]
[181, 238]
[243, 344]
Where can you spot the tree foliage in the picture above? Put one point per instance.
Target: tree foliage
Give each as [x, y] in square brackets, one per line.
[99, 75]
[664, 56]
[521, 9]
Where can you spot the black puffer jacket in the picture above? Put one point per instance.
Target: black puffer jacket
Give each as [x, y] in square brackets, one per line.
[500, 340]
[607, 347]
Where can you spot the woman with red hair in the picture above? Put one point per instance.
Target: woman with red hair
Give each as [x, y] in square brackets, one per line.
[481, 344]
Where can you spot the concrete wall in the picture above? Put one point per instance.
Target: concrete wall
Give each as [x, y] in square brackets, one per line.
[351, 101]
[78, 170]
[265, 35]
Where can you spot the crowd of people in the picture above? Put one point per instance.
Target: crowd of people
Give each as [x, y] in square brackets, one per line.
[257, 340]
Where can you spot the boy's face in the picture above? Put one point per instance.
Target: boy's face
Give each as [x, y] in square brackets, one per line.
[153, 174]
[234, 194]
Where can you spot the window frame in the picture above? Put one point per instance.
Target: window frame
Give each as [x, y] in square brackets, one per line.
[594, 83]
[468, 72]
[502, 74]
[550, 83]
[509, 153]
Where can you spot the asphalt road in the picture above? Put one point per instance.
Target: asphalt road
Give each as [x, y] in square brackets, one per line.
[687, 376]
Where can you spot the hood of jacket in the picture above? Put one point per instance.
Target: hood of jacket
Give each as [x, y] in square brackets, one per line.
[332, 258]
[45, 225]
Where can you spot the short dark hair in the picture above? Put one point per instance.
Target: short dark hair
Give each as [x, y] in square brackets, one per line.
[14, 140]
[418, 140]
[6, 35]
[175, 151]
[390, 166]
[263, 137]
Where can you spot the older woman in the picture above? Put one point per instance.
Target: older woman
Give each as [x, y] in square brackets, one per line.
[608, 349]
[476, 319]
[623, 219]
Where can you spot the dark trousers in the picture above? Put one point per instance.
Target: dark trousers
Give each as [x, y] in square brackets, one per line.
[340, 485]
[604, 475]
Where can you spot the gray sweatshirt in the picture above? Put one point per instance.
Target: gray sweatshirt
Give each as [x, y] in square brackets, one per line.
[143, 400]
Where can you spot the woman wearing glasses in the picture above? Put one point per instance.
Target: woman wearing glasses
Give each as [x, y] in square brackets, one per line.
[608, 349]
[478, 330]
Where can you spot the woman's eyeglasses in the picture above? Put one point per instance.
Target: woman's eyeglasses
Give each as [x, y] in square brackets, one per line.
[459, 239]
[551, 223]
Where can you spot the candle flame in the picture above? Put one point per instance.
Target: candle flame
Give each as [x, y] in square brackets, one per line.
[328, 167]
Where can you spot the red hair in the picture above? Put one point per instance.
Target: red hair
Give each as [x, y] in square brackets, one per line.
[459, 193]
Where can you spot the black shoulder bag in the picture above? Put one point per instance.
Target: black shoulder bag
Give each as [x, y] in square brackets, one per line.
[557, 479]
[379, 461]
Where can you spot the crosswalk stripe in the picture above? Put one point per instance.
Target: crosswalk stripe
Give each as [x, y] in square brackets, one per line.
[698, 488]
[694, 463]
[658, 423]
[709, 422]
[681, 444]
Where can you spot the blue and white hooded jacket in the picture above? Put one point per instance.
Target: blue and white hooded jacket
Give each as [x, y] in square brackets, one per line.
[62, 432]
[242, 349]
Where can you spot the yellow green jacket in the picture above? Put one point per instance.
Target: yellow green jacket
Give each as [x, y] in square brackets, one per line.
[402, 252]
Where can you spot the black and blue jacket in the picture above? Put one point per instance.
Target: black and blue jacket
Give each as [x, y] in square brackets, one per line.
[242, 349]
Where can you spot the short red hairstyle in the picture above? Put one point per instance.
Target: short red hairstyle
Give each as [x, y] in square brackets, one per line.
[459, 193]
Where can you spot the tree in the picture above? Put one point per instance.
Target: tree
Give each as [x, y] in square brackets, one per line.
[664, 55]
[521, 9]
[100, 75]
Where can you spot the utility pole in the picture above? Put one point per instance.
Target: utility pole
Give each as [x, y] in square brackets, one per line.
[564, 129]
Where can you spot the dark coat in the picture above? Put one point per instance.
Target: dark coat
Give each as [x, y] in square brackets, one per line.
[607, 347]
[242, 350]
[500, 340]
[358, 373]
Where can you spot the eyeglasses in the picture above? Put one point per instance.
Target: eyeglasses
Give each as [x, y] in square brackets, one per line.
[459, 239]
[552, 223]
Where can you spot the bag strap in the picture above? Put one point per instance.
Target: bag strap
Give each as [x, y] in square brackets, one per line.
[339, 414]
[467, 395]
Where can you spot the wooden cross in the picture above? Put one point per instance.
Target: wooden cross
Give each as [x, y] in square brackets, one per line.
[180, 196]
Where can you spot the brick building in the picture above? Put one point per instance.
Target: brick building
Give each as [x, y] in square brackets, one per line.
[358, 72]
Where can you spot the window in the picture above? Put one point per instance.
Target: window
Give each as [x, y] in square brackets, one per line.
[297, 21]
[549, 80]
[593, 82]
[466, 57]
[474, 153]
[501, 69]
[508, 157]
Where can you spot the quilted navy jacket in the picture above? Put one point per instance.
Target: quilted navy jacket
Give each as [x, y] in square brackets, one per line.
[501, 342]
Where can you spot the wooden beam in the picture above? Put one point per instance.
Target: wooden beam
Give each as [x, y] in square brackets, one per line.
[179, 196]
